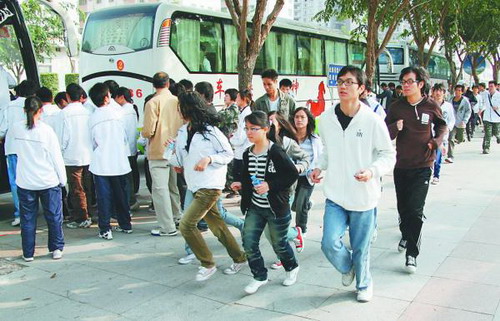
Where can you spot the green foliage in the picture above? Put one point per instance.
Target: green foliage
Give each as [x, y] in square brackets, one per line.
[45, 28]
[71, 79]
[10, 55]
[51, 81]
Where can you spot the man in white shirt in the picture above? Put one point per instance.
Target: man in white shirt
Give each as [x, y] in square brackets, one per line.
[50, 114]
[13, 114]
[76, 148]
[109, 163]
[129, 119]
[491, 116]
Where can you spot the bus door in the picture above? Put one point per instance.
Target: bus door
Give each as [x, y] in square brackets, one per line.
[17, 62]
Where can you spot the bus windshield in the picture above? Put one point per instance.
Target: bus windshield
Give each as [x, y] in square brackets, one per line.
[120, 30]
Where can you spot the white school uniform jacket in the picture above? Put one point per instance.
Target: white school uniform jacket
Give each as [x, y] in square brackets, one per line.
[13, 114]
[490, 101]
[365, 144]
[215, 145]
[109, 140]
[129, 118]
[76, 144]
[239, 139]
[39, 160]
[51, 116]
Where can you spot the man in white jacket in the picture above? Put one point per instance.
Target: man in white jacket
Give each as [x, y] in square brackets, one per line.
[357, 152]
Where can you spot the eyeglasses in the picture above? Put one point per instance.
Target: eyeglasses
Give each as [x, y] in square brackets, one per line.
[252, 129]
[408, 82]
[347, 82]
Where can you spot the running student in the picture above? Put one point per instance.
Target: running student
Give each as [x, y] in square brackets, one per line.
[109, 163]
[267, 202]
[357, 153]
[40, 176]
[203, 152]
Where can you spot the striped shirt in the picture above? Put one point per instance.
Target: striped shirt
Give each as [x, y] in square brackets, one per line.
[257, 167]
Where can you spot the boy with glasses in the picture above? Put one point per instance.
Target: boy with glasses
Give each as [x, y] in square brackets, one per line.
[410, 122]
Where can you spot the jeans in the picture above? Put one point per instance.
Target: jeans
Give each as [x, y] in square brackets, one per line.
[361, 227]
[52, 210]
[133, 180]
[302, 204]
[490, 129]
[437, 163]
[11, 170]
[79, 193]
[412, 186]
[255, 222]
[227, 216]
[112, 198]
[204, 206]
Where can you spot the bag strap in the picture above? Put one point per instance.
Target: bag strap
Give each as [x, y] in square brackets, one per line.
[491, 105]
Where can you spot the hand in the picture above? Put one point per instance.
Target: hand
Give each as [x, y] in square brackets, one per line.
[495, 108]
[236, 186]
[363, 175]
[178, 170]
[444, 150]
[462, 125]
[316, 175]
[262, 188]
[168, 142]
[399, 124]
[202, 164]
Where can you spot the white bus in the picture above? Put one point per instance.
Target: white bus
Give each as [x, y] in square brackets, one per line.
[129, 44]
[403, 55]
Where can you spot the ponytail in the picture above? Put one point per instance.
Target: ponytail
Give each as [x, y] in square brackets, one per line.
[32, 105]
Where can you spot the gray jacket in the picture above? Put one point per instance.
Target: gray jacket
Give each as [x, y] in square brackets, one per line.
[462, 114]
[286, 104]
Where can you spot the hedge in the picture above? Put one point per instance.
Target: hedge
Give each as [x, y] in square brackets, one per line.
[51, 81]
[71, 78]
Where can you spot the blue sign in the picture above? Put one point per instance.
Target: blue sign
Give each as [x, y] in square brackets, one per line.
[481, 65]
[333, 72]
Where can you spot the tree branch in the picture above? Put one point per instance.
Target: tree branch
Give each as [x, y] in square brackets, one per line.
[271, 18]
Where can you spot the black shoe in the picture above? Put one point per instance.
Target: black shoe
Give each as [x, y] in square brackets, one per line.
[498, 140]
[402, 245]
[411, 264]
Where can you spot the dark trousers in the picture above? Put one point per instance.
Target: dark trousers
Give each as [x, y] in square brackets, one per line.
[52, 210]
[133, 178]
[112, 198]
[237, 168]
[255, 221]
[147, 173]
[412, 186]
[301, 202]
[79, 183]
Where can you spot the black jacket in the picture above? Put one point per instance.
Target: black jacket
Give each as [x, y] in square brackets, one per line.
[280, 176]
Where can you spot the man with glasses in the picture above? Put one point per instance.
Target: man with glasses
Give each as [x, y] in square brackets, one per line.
[410, 122]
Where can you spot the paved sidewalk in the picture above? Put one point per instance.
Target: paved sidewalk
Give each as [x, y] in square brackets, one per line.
[136, 276]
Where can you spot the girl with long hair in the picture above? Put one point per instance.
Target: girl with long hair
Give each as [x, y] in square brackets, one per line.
[40, 176]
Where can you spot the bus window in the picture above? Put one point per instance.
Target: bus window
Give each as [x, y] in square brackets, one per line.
[198, 44]
[335, 53]
[231, 44]
[123, 29]
[356, 54]
[271, 51]
[11, 61]
[287, 54]
[397, 55]
[309, 56]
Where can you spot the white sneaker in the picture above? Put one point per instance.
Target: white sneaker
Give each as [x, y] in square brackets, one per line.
[234, 268]
[187, 259]
[108, 235]
[84, 224]
[57, 254]
[205, 273]
[435, 181]
[254, 286]
[16, 222]
[348, 277]
[291, 277]
[134, 206]
[28, 259]
[158, 232]
[366, 294]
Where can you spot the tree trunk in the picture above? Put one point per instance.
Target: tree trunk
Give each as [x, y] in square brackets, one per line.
[496, 69]
[474, 64]
[371, 42]
[246, 66]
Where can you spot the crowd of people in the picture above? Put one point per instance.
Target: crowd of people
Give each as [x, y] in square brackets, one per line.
[269, 151]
